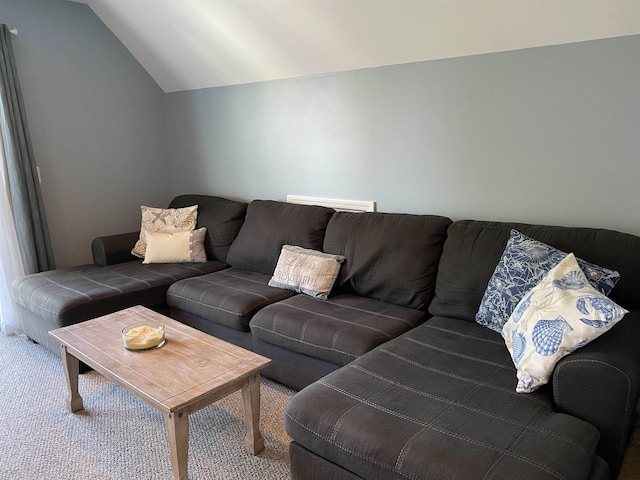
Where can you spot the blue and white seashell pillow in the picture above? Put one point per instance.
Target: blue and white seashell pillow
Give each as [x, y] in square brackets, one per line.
[524, 263]
[559, 315]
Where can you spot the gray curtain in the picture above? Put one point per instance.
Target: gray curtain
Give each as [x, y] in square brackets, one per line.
[26, 199]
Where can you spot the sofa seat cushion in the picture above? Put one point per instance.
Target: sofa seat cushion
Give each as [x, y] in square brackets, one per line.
[439, 402]
[336, 330]
[230, 297]
[69, 295]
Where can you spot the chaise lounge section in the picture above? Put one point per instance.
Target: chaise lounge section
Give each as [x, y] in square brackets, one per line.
[440, 400]
[117, 280]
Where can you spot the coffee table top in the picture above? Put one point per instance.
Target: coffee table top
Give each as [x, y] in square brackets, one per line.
[183, 374]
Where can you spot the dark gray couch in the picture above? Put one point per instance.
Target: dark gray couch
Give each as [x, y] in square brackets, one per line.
[440, 401]
[385, 285]
[223, 303]
[397, 379]
[117, 280]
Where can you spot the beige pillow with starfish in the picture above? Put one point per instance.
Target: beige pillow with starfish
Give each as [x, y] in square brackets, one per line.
[164, 220]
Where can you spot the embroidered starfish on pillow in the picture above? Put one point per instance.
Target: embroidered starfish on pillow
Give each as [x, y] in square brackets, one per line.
[160, 217]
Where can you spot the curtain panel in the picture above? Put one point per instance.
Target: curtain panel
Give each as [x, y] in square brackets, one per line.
[24, 190]
[10, 261]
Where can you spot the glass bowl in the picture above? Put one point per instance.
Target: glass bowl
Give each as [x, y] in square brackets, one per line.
[143, 335]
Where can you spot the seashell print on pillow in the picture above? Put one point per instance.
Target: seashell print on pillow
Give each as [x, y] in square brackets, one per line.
[518, 346]
[608, 310]
[524, 263]
[560, 314]
[571, 281]
[547, 335]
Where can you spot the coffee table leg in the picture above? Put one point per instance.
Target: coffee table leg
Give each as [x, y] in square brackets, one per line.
[178, 433]
[71, 367]
[253, 442]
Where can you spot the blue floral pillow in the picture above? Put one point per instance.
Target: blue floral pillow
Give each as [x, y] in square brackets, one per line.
[524, 263]
[559, 315]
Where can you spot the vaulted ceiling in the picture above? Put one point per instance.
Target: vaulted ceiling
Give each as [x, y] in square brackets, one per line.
[191, 44]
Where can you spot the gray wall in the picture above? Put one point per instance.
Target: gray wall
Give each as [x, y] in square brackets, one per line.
[545, 135]
[97, 123]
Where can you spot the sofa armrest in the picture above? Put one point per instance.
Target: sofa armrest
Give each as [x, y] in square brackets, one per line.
[599, 383]
[114, 249]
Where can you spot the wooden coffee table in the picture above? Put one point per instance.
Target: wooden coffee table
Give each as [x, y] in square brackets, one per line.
[190, 371]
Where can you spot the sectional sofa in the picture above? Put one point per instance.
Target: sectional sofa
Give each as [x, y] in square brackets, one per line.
[396, 378]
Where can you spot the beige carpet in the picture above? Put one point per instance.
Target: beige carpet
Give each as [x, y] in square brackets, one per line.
[118, 437]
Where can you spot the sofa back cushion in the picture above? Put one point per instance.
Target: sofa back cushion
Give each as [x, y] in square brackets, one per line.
[269, 225]
[222, 217]
[389, 257]
[473, 249]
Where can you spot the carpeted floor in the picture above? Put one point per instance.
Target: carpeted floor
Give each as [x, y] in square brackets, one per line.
[118, 437]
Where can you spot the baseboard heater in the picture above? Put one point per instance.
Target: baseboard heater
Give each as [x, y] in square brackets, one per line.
[355, 206]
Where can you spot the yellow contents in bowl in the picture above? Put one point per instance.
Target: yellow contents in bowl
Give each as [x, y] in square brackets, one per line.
[142, 337]
[134, 332]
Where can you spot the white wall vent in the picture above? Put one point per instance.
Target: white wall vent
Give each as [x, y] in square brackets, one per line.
[356, 206]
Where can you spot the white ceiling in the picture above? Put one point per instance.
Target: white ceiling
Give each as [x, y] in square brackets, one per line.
[191, 44]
